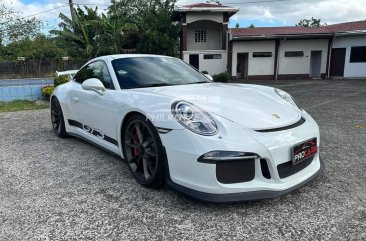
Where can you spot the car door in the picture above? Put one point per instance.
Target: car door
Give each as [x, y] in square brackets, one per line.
[96, 115]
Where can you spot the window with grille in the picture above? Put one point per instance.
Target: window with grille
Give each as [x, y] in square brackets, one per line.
[200, 36]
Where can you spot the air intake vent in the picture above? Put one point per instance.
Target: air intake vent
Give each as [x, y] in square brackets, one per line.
[265, 169]
[235, 171]
[287, 169]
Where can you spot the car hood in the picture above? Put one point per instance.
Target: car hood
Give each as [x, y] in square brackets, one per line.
[253, 106]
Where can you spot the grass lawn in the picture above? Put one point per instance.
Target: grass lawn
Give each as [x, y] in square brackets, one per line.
[17, 105]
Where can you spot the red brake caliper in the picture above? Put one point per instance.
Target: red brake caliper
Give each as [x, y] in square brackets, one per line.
[136, 150]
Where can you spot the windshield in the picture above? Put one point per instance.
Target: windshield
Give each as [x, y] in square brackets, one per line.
[140, 72]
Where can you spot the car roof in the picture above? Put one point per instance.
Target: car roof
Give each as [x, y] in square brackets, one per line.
[122, 56]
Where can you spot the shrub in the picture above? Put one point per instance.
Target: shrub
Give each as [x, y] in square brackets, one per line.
[222, 77]
[60, 80]
[47, 91]
[204, 72]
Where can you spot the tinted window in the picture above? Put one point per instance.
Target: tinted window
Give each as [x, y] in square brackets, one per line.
[358, 54]
[97, 70]
[139, 72]
[294, 54]
[212, 56]
[80, 75]
[262, 54]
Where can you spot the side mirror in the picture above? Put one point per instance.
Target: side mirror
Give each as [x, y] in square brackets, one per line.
[94, 84]
[209, 77]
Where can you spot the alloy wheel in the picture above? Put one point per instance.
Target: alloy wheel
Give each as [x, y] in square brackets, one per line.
[56, 116]
[141, 150]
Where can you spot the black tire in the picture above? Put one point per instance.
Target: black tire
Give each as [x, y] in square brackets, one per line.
[57, 118]
[143, 151]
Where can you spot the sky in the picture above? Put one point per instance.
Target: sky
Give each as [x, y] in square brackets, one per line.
[261, 13]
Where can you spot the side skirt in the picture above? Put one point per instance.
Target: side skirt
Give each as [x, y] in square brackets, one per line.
[94, 144]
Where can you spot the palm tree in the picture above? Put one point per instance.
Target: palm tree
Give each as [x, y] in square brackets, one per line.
[78, 31]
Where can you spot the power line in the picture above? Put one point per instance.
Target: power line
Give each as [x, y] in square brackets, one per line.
[35, 14]
[49, 10]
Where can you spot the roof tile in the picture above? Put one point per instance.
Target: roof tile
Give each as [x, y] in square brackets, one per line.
[297, 30]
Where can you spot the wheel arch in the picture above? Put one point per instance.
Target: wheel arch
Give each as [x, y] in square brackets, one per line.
[127, 117]
[163, 159]
[123, 125]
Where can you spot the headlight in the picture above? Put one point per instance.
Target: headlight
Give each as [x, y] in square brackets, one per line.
[194, 118]
[286, 96]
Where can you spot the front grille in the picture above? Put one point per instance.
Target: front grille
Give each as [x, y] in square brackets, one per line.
[299, 123]
[287, 169]
[235, 171]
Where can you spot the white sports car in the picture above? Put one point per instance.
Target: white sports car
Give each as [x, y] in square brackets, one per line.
[212, 141]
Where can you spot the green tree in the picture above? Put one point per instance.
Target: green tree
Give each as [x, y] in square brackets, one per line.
[13, 27]
[251, 26]
[151, 18]
[35, 50]
[42, 48]
[144, 25]
[237, 25]
[78, 33]
[116, 32]
[159, 34]
[313, 22]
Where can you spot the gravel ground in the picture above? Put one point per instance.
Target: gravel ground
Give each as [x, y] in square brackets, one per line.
[66, 189]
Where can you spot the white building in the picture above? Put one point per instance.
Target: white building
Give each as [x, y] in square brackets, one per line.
[204, 31]
[269, 52]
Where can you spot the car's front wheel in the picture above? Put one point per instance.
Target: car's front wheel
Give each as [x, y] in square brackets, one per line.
[143, 151]
[57, 118]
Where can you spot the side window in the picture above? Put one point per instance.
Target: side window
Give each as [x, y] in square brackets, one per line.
[95, 70]
[99, 70]
[80, 76]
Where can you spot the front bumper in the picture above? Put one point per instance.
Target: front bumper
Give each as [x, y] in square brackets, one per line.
[200, 180]
[236, 197]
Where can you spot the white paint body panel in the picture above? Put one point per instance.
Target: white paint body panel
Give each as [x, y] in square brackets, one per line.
[237, 110]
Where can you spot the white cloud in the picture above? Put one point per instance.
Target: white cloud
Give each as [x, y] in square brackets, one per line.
[286, 12]
[290, 12]
[25, 10]
[48, 10]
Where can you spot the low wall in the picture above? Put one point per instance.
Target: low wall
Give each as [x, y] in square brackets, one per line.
[22, 89]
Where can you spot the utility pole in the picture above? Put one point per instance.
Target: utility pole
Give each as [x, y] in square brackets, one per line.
[71, 5]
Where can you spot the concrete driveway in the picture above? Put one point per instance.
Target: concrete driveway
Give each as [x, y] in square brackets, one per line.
[66, 189]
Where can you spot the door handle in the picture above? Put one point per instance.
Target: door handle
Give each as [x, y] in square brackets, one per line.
[75, 99]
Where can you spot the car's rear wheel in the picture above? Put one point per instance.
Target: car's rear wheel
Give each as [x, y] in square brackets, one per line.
[57, 118]
[143, 151]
